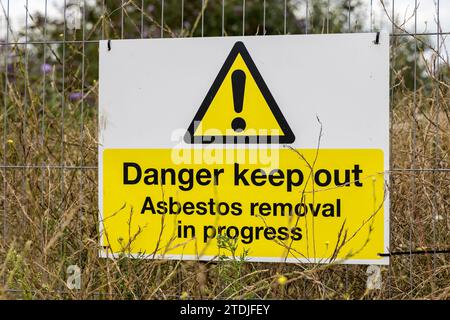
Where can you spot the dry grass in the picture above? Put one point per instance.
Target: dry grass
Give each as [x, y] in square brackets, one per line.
[48, 214]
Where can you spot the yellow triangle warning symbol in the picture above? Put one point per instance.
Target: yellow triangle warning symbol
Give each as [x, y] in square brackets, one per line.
[239, 107]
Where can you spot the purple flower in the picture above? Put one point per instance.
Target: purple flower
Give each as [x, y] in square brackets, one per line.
[75, 96]
[46, 68]
[10, 68]
[11, 71]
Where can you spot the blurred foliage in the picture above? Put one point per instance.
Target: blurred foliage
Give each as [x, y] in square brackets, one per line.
[46, 124]
[104, 19]
[408, 63]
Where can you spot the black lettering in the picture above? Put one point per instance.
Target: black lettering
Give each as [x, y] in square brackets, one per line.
[126, 179]
[296, 233]
[315, 211]
[338, 207]
[186, 184]
[290, 181]
[301, 209]
[203, 177]
[174, 204]
[162, 207]
[212, 205]
[264, 209]
[284, 207]
[188, 229]
[171, 173]
[151, 176]
[201, 208]
[223, 208]
[247, 235]
[148, 205]
[327, 177]
[337, 181]
[328, 210]
[356, 172]
[209, 232]
[188, 207]
[276, 175]
[239, 175]
[258, 231]
[283, 233]
[258, 175]
[253, 206]
[217, 173]
[269, 233]
[235, 232]
[236, 209]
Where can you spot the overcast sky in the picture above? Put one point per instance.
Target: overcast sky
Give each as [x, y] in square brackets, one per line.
[404, 10]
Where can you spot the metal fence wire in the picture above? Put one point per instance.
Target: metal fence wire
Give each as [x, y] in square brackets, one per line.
[49, 96]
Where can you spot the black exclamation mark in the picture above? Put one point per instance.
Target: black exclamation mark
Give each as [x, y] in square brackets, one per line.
[238, 84]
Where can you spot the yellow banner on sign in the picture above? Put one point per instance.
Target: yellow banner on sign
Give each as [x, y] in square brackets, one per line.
[310, 205]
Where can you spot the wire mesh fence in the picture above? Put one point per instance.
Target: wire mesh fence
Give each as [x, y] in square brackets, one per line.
[49, 96]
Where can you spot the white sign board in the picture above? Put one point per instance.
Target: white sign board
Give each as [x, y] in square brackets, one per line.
[273, 146]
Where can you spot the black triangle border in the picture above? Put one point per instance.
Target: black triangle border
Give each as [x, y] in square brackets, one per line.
[239, 48]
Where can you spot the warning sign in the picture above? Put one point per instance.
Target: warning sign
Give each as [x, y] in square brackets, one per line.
[261, 148]
[239, 104]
